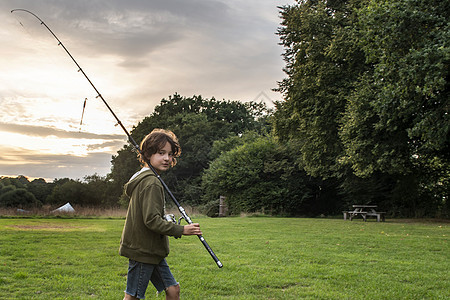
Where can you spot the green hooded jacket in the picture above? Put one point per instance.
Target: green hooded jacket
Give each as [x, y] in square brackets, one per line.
[144, 237]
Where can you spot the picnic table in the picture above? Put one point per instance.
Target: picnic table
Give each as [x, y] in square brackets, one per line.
[364, 211]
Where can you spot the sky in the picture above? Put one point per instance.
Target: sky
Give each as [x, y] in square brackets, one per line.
[136, 53]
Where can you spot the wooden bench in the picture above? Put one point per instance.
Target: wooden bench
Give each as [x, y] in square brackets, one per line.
[379, 215]
[350, 214]
[364, 211]
[353, 214]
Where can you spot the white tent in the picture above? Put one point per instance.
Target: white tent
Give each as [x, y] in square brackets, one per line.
[65, 208]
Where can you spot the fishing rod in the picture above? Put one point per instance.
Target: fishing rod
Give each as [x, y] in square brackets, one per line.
[130, 139]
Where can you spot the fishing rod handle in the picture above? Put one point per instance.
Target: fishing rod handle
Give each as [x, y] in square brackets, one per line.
[202, 239]
[211, 252]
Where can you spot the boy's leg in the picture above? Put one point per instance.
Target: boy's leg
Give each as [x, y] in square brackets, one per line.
[173, 292]
[163, 280]
[129, 297]
[138, 278]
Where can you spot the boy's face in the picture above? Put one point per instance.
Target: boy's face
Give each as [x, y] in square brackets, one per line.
[162, 160]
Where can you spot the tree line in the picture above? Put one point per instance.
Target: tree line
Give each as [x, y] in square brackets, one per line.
[20, 192]
[364, 120]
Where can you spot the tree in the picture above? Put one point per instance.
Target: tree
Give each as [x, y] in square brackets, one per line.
[397, 120]
[322, 64]
[401, 107]
[20, 192]
[97, 189]
[233, 141]
[367, 95]
[18, 198]
[123, 165]
[40, 189]
[73, 191]
[197, 122]
[6, 188]
[261, 175]
[18, 182]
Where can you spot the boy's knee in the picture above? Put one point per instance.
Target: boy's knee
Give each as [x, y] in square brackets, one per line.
[173, 292]
[129, 297]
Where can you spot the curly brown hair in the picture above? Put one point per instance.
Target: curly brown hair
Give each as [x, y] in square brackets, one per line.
[155, 141]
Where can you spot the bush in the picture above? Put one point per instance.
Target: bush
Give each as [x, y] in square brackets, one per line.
[18, 198]
[261, 175]
[211, 209]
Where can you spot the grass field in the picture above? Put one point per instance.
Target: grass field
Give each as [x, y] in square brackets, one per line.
[264, 258]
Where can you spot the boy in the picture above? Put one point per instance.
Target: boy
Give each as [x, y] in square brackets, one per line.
[144, 238]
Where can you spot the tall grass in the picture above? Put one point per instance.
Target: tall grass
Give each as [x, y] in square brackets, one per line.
[80, 212]
[264, 258]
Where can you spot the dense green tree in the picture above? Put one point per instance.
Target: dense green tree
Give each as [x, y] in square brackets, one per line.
[20, 192]
[18, 198]
[18, 182]
[367, 97]
[40, 189]
[197, 122]
[224, 145]
[94, 190]
[397, 120]
[322, 64]
[123, 165]
[6, 188]
[60, 181]
[73, 191]
[98, 190]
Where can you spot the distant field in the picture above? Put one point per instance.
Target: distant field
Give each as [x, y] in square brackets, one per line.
[264, 258]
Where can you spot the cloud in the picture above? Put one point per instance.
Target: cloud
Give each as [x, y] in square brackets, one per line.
[39, 165]
[42, 131]
[202, 47]
[125, 28]
[115, 144]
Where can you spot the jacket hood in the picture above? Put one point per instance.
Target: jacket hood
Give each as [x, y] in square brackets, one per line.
[136, 179]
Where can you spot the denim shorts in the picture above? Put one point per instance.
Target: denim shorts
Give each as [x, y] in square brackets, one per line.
[139, 274]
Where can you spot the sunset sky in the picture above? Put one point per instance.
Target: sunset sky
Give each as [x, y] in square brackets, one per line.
[136, 52]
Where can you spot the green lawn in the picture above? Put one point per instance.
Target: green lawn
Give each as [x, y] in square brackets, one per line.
[264, 258]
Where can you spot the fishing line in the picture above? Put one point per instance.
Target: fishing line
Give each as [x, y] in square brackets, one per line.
[28, 29]
[21, 24]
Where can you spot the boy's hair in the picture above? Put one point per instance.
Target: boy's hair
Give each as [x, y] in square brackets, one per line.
[155, 141]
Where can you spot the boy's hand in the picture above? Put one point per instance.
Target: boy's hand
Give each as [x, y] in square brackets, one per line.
[192, 229]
